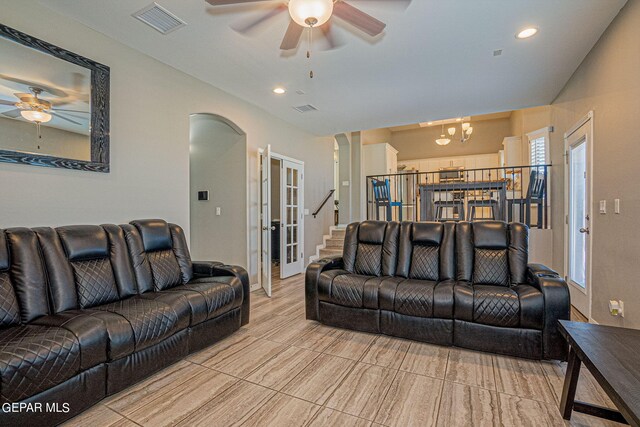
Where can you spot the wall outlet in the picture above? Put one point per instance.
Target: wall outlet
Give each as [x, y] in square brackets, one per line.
[603, 207]
[306, 211]
[616, 308]
[616, 206]
[218, 211]
[345, 183]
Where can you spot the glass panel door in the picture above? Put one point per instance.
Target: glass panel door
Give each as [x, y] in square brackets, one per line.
[578, 203]
[577, 214]
[265, 219]
[292, 214]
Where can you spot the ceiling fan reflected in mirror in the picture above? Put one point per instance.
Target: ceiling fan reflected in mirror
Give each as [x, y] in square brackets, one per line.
[37, 110]
[310, 14]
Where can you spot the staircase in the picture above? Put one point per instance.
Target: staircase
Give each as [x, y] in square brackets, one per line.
[332, 244]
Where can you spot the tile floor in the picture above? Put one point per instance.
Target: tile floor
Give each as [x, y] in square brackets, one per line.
[282, 370]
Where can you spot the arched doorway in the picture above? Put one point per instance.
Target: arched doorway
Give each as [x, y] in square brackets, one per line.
[218, 189]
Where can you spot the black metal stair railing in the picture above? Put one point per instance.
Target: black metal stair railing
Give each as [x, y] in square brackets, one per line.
[514, 193]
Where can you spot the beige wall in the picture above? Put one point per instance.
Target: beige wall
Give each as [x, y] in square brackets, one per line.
[21, 136]
[530, 120]
[420, 143]
[608, 83]
[150, 107]
[218, 164]
[376, 136]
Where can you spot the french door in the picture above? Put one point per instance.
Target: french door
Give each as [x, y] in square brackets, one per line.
[578, 210]
[265, 219]
[292, 217]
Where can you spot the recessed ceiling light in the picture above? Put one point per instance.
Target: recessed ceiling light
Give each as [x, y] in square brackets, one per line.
[429, 123]
[527, 32]
[459, 119]
[279, 91]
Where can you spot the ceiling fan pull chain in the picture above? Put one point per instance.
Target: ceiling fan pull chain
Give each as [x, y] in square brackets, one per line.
[310, 41]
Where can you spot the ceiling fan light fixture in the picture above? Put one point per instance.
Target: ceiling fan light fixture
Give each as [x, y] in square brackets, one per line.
[36, 116]
[310, 13]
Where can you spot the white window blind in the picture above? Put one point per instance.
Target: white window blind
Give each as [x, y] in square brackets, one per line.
[538, 147]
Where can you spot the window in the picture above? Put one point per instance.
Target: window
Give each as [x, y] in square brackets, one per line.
[539, 147]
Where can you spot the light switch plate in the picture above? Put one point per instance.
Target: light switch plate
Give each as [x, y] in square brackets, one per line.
[306, 211]
[218, 211]
[603, 206]
[345, 183]
[616, 206]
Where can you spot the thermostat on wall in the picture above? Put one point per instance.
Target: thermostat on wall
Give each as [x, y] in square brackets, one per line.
[203, 195]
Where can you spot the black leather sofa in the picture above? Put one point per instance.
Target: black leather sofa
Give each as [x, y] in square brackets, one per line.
[466, 284]
[87, 310]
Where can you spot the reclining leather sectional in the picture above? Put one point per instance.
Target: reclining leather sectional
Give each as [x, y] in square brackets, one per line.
[86, 311]
[465, 284]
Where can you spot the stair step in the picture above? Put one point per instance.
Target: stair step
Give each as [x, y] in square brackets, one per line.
[338, 233]
[335, 243]
[329, 252]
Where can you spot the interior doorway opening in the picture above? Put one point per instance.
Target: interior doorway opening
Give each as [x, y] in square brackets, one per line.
[217, 189]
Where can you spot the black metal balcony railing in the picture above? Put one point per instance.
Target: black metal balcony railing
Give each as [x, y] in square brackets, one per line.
[519, 193]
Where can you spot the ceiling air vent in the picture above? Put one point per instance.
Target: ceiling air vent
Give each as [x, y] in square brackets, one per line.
[159, 18]
[305, 108]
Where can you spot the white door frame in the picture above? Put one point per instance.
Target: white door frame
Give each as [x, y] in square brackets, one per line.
[282, 157]
[586, 120]
[301, 221]
[262, 167]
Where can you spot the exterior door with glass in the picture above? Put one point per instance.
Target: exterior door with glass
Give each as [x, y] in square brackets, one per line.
[292, 218]
[578, 211]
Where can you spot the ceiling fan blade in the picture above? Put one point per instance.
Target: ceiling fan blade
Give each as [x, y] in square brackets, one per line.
[243, 28]
[64, 110]
[3, 102]
[65, 118]
[226, 2]
[12, 113]
[358, 18]
[292, 36]
[328, 34]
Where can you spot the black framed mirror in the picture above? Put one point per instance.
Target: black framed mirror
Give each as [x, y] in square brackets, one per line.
[54, 105]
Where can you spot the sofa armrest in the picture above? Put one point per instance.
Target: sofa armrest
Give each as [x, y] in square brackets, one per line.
[540, 271]
[216, 268]
[557, 306]
[314, 270]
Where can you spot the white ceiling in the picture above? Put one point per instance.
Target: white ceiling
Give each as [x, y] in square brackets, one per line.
[434, 61]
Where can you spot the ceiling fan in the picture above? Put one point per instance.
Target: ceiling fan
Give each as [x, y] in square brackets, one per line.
[313, 14]
[35, 109]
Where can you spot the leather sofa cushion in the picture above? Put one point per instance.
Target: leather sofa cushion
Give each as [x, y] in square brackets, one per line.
[520, 306]
[368, 259]
[221, 294]
[496, 305]
[491, 267]
[345, 289]
[151, 321]
[34, 359]
[418, 298]
[165, 269]
[9, 309]
[83, 242]
[155, 234]
[425, 262]
[95, 282]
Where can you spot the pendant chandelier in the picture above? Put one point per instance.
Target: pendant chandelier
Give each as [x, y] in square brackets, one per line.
[465, 128]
